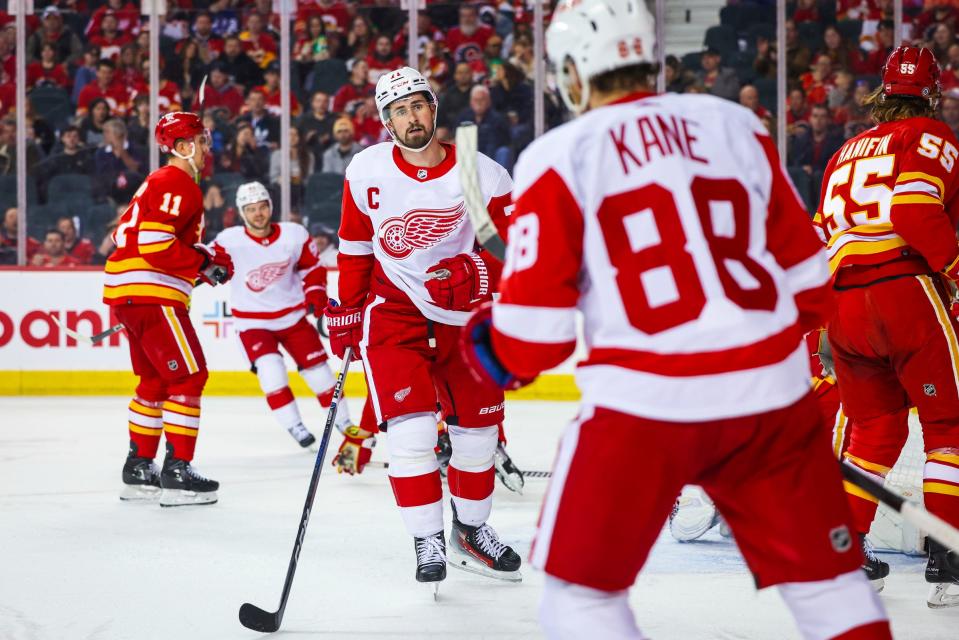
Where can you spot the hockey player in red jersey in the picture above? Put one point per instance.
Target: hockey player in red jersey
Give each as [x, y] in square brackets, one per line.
[409, 275]
[888, 214]
[149, 279]
[278, 280]
[669, 222]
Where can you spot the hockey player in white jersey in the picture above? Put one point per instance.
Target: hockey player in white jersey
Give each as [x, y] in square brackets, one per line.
[410, 272]
[670, 223]
[278, 279]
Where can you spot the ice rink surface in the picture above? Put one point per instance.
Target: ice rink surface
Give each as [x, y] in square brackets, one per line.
[77, 564]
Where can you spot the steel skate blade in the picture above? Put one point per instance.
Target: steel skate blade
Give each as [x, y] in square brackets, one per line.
[139, 493]
[183, 498]
[468, 564]
[941, 598]
[877, 585]
[436, 591]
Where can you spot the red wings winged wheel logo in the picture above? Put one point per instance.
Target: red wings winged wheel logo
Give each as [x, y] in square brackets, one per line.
[419, 229]
[263, 276]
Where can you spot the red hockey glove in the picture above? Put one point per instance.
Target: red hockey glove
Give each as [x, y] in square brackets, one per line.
[316, 301]
[478, 351]
[345, 325]
[217, 266]
[355, 450]
[467, 281]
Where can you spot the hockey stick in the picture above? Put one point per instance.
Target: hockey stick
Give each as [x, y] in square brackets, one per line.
[79, 337]
[251, 616]
[910, 511]
[379, 464]
[467, 142]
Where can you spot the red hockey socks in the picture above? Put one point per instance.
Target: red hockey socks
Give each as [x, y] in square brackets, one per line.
[181, 423]
[145, 423]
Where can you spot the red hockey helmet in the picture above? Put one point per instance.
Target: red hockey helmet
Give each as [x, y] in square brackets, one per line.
[176, 125]
[911, 71]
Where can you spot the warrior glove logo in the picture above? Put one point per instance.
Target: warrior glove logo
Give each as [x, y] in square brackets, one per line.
[262, 277]
[419, 229]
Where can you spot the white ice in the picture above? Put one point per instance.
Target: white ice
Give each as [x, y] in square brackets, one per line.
[76, 563]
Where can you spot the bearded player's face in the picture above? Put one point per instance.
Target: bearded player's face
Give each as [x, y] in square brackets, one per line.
[257, 215]
[412, 121]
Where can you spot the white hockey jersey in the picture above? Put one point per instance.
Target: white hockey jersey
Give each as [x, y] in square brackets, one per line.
[399, 220]
[670, 224]
[271, 275]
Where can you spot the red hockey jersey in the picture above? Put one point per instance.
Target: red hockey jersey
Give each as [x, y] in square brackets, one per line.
[890, 193]
[155, 262]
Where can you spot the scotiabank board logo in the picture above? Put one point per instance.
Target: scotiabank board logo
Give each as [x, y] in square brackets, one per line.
[260, 278]
[419, 229]
[38, 329]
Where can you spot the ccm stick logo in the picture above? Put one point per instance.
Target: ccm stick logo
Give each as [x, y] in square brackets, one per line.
[38, 329]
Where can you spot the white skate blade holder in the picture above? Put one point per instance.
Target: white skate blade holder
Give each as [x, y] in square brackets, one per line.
[182, 498]
[465, 562]
[139, 493]
[941, 597]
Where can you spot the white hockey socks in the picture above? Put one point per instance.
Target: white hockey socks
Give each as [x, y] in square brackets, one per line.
[829, 608]
[271, 372]
[572, 612]
[471, 475]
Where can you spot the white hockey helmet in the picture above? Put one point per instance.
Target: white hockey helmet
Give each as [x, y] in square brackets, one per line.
[598, 36]
[398, 84]
[250, 193]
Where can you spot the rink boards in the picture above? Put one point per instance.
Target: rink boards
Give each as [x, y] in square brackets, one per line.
[36, 358]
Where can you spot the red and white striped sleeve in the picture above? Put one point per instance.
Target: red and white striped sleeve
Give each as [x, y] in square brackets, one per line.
[312, 273]
[793, 241]
[355, 260]
[534, 321]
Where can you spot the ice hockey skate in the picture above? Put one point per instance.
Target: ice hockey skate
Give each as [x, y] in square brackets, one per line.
[183, 485]
[693, 515]
[479, 550]
[431, 560]
[303, 436]
[507, 472]
[942, 571]
[141, 478]
[875, 568]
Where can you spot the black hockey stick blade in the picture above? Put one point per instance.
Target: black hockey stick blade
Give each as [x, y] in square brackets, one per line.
[467, 141]
[253, 617]
[935, 527]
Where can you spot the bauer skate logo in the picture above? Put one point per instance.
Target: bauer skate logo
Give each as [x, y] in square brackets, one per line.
[419, 229]
[260, 278]
[840, 539]
[929, 390]
[400, 395]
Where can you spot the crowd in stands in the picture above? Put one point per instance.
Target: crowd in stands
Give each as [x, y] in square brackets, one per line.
[89, 128]
[88, 113]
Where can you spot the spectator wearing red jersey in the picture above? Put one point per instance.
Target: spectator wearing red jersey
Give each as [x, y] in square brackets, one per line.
[817, 81]
[256, 37]
[797, 110]
[116, 95]
[434, 65]
[271, 91]
[8, 238]
[812, 148]
[749, 98]
[110, 39]
[842, 53]
[80, 249]
[350, 95]
[426, 32]
[220, 92]
[127, 16]
[209, 45]
[467, 40]
[367, 128]
[857, 9]
[53, 253]
[360, 39]
[47, 70]
[335, 14]
[168, 94]
[129, 70]
[382, 60]
[68, 44]
[8, 50]
[885, 37]
[806, 11]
